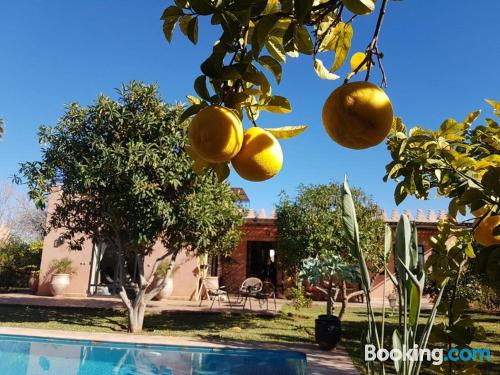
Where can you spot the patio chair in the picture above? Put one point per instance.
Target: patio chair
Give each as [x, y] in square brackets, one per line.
[214, 294]
[248, 289]
[267, 292]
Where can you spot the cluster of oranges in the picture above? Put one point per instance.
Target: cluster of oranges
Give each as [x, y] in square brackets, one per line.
[356, 115]
[216, 135]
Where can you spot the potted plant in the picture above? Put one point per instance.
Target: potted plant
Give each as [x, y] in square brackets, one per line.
[62, 270]
[322, 271]
[161, 273]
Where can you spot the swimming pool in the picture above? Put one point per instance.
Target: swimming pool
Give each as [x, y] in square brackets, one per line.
[20, 355]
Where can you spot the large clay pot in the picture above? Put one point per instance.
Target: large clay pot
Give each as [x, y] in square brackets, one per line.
[59, 283]
[33, 282]
[167, 290]
[328, 331]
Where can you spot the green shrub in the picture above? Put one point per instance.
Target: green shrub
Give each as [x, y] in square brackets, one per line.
[17, 260]
[63, 265]
[299, 297]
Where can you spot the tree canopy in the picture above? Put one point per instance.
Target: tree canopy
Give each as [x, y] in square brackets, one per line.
[127, 180]
[311, 223]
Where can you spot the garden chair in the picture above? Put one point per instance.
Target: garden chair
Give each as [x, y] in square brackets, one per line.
[267, 292]
[214, 294]
[248, 289]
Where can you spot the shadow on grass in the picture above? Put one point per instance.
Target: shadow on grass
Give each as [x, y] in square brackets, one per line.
[105, 319]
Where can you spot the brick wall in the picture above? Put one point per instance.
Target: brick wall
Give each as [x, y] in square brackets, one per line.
[234, 268]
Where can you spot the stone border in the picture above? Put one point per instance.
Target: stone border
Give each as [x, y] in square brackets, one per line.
[318, 362]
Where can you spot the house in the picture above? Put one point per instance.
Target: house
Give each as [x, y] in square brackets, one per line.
[255, 255]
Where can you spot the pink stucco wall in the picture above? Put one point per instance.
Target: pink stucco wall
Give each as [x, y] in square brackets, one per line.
[185, 278]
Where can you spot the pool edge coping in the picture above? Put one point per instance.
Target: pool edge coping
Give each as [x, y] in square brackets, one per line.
[315, 358]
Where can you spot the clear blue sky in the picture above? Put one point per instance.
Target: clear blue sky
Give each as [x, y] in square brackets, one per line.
[441, 58]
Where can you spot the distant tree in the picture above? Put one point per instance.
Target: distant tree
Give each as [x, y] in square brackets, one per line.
[19, 216]
[310, 226]
[1, 127]
[127, 180]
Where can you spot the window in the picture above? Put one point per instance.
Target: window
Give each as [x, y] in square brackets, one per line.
[213, 264]
[421, 259]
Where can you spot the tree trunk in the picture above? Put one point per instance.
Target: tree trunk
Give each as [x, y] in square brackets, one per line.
[343, 288]
[329, 302]
[136, 316]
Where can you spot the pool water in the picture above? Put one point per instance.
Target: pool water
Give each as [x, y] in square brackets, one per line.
[20, 355]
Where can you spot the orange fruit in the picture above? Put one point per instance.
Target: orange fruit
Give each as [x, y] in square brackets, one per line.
[481, 211]
[484, 231]
[260, 157]
[216, 134]
[358, 115]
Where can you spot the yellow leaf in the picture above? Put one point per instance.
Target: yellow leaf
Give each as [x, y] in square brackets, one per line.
[469, 251]
[341, 43]
[287, 132]
[493, 103]
[357, 59]
[323, 72]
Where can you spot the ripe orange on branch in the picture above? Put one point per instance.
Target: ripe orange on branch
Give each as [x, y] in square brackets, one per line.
[216, 134]
[484, 231]
[260, 157]
[358, 115]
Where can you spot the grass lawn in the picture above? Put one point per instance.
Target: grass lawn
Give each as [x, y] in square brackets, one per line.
[291, 326]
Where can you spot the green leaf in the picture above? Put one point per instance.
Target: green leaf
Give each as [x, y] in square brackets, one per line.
[274, 47]
[190, 111]
[396, 344]
[352, 234]
[212, 66]
[222, 171]
[303, 40]
[192, 30]
[288, 38]
[276, 104]
[303, 9]
[272, 65]
[168, 27]
[183, 24]
[342, 44]
[402, 245]
[400, 193]
[387, 243]
[415, 294]
[286, 132]
[322, 72]
[203, 7]
[171, 12]
[260, 79]
[261, 33]
[200, 86]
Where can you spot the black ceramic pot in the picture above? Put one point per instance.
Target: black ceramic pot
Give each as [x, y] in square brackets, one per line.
[328, 331]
